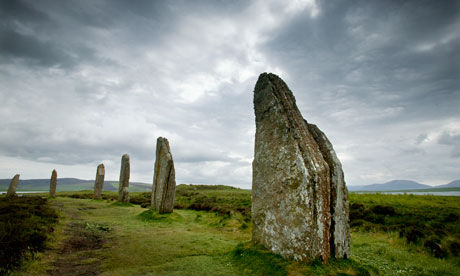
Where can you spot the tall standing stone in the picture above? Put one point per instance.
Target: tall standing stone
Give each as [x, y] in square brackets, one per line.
[99, 182]
[164, 178]
[294, 201]
[123, 190]
[53, 183]
[13, 186]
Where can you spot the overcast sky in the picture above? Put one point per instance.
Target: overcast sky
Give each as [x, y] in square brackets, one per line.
[83, 82]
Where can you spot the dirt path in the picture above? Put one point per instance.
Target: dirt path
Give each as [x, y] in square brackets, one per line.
[106, 238]
[77, 247]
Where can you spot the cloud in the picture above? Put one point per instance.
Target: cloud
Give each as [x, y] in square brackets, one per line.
[86, 82]
[452, 140]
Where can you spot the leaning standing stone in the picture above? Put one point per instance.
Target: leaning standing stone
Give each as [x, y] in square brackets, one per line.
[164, 178]
[13, 186]
[99, 182]
[123, 190]
[292, 201]
[53, 183]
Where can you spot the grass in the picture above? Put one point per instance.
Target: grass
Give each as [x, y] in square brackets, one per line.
[431, 222]
[210, 235]
[25, 223]
[426, 190]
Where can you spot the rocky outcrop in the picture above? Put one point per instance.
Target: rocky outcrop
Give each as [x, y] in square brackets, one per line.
[123, 189]
[292, 197]
[99, 182]
[164, 178]
[53, 184]
[13, 186]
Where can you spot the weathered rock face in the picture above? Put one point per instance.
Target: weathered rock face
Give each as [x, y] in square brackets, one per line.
[123, 190]
[13, 186]
[291, 188]
[164, 178]
[340, 228]
[99, 182]
[53, 183]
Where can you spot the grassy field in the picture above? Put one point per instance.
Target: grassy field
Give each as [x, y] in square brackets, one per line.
[210, 235]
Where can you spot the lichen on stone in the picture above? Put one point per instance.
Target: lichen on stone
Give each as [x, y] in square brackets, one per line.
[300, 207]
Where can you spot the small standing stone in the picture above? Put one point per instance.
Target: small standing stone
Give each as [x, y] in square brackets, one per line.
[123, 190]
[13, 186]
[164, 178]
[53, 183]
[99, 182]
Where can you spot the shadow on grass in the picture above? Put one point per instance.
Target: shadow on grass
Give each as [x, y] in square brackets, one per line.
[122, 204]
[257, 260]
[153, 216]
[340, 267]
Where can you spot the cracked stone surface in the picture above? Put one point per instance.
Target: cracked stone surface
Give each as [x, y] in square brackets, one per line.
[123, 189]
[295, 203]
[340, 228]
[164, 178]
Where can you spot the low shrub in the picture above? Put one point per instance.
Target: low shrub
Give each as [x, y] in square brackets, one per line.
[433, 244]
[425, 220]
[25, 223]
[454, 247]
[412, 234]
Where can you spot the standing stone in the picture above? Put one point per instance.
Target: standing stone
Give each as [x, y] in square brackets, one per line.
[164, 178]
[123, 190]
[13, 186]
[99, 182]
[295, 203]
[53, 183]
[340, 228]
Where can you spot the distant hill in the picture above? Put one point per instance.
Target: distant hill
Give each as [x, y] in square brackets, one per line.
[70, 184]
[399, 185]
[453, 184]
[393, 185]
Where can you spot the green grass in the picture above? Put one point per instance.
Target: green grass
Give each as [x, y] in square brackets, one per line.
[210, 235]
[432, 222]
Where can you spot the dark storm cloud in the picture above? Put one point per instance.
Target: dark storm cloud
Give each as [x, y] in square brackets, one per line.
[451, 140]
[379, 69]
[373, 47]
[14, 45]
[90, 80]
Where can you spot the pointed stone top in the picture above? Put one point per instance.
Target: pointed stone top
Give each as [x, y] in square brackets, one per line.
[266, 79]
[161, 142]
[125, 156]
[162, 139]
[54, 171]
[100, 165]
[272, 92]
[16, 175]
